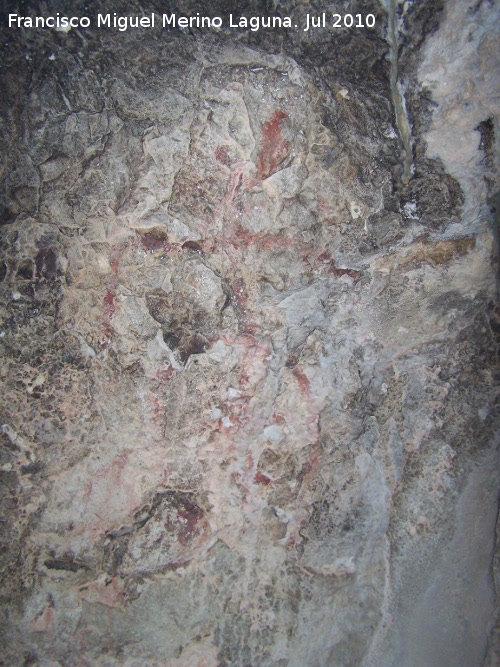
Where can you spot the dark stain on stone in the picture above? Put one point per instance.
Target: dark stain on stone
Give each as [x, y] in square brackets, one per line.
[437, 195]
[155, 240]
[443, 252]
[171, 339]
[7, 216]
[193, 246]
[114, 554]
[185, 326]
[119, 532]
[420, 21]
[494, 318]
[31, 468]
[159, 307]
[487, 131]
[452, 300]
[325, 155]
[25, 270]
[65, 564]
[46, 264]
[196, 344]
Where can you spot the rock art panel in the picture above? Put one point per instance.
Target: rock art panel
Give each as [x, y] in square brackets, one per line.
[248, 332]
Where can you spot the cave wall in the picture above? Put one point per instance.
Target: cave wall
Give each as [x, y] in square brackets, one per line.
[249, 340]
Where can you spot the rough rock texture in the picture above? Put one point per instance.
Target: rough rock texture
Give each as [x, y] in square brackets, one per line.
[249, 373]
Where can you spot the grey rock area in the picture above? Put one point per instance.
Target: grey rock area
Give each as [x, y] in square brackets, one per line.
[249, 338]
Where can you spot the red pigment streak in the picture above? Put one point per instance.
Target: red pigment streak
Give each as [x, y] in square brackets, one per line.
[254, 347]
[157, 406]
[191, 514]
[324, 257]
[303, 380]
[274, 149]
[325, 209]
[236, 411]
[164, 374]
[109, 300]
[115, 254]
[292, 542]
[325, 260]
[109, 311]
[234, 183]
[352, 273]
[310, 469]
[114, 267]
[222, 155]
[254, 360]
[237, 480]
[88, 491]
[109, 303]
[278, 419]
[158, 411]
[237, 416]
[119, 462]
[244, 238]
[262, 479]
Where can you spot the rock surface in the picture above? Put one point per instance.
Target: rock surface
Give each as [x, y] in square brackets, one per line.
[249, 373]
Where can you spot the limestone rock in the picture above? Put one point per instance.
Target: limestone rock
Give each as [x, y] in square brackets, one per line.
[248, 331]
